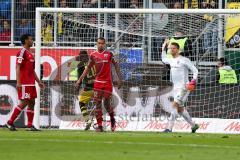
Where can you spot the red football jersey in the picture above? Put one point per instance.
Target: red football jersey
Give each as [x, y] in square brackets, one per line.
[102, 62]
[26, 60]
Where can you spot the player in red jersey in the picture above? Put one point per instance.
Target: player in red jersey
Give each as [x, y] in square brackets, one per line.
[102, 59]
[26, 77]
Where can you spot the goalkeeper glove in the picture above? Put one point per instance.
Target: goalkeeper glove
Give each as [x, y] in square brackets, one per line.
[191, 85]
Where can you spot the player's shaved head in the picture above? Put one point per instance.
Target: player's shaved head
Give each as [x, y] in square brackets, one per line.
[101, 38]
[24, 37]
[27, 40]
[101, 42]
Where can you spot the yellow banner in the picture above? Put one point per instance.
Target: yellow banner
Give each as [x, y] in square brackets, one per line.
[232, 26]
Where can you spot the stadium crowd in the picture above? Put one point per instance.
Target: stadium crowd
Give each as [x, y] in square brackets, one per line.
[24, 12]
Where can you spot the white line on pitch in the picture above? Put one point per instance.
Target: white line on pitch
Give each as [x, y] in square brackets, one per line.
[120, 142]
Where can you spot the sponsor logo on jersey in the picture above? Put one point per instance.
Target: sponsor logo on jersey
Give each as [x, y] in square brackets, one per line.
[105, 55]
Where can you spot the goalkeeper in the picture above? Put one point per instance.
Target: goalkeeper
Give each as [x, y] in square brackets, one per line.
[180, 67]
[86, 93]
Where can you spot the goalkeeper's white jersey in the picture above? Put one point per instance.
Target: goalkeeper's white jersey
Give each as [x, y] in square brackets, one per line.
[180, 67]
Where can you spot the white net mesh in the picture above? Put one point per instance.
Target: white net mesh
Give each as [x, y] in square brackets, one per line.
[136, 41]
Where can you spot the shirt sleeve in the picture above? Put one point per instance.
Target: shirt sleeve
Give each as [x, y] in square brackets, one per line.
[20, 57]
[112, 58]
[165, 59]
[192, 68]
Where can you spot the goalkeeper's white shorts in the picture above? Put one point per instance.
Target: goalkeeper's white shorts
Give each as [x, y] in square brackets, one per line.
[180, 95]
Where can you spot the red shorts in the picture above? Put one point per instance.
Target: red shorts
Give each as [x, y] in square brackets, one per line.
[102, 90]
[27, 92]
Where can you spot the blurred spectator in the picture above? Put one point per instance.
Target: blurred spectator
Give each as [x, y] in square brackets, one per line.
[90, 4]
[87, 32]
[225, 74]
[131, 3]
[5, 9]
[87, 3]
[194, 4]
[72, 3]
[213, 4]
[134, 4]
[135, 22]
[63, 4]
[47, 31]
[24, 18]
[177, 19]
[5, 34]
[24, 9]
[108, 3]
[210, 42]
[47, 3]
[159, 22]
[177, 5]
[25, 27]
[79, 3]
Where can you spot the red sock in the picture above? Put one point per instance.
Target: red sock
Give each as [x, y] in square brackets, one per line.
[111, 112]
[30, 115]
[17, 110]
[98, 114]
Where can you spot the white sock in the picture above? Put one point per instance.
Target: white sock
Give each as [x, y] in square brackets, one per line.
[172, 119]
[187, 117]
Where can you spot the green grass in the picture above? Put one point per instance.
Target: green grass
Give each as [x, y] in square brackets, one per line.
[79, 145]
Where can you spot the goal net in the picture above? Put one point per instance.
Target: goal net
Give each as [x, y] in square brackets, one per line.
[135, 37]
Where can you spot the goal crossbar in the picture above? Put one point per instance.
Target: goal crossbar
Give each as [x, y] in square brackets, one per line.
[146, 11]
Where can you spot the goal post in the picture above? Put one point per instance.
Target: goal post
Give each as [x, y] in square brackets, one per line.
[135, 34]
[37, 66]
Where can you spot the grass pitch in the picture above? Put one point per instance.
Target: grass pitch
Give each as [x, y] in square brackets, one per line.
[80, 145]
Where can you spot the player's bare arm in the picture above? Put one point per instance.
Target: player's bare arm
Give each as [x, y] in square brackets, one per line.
[40, 83]
[18, 75]
[164, 54]
[85, 72]
[165, 43]
[117, 68]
